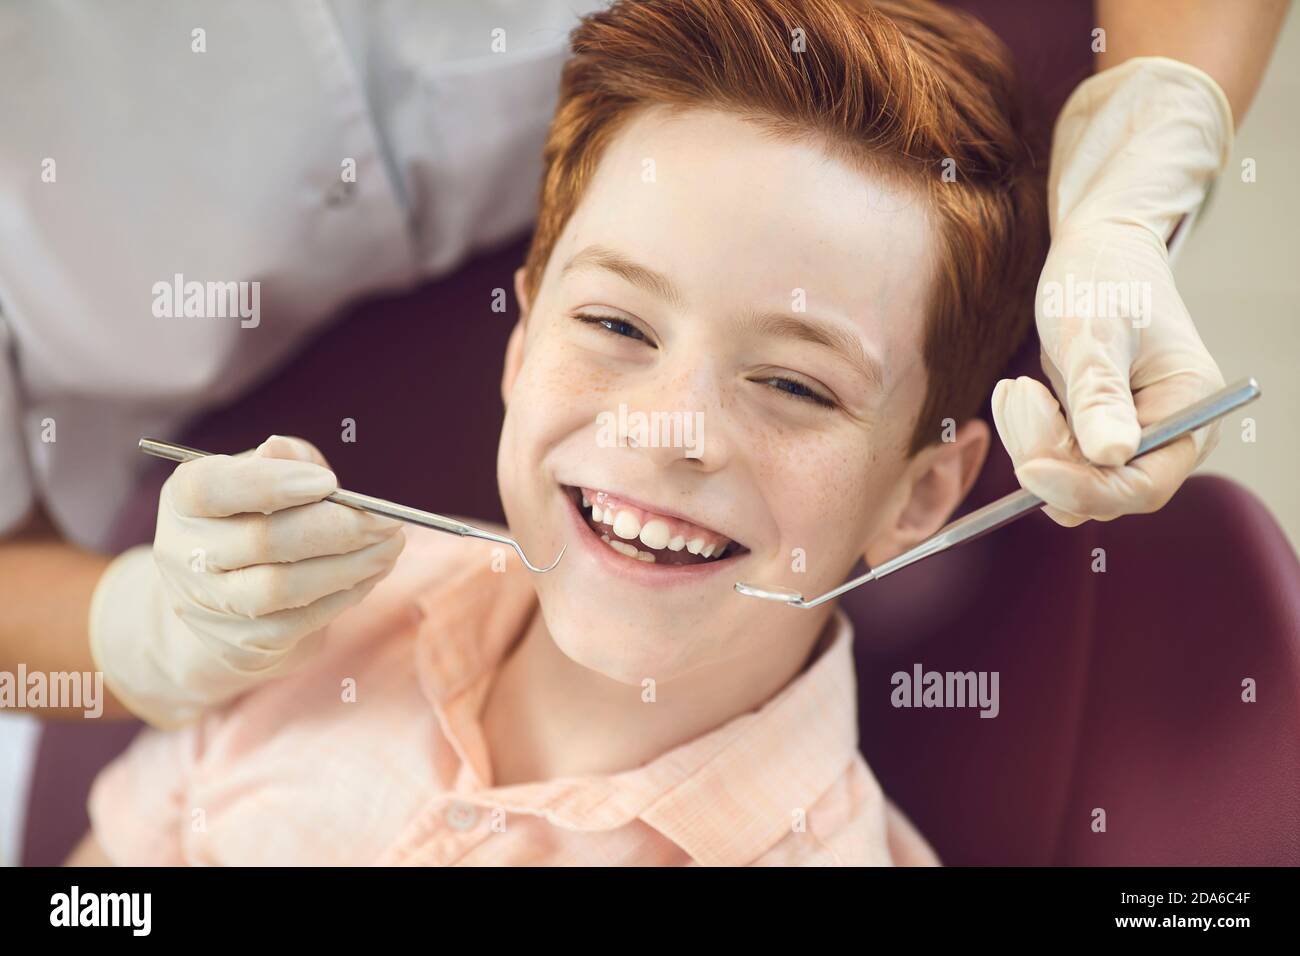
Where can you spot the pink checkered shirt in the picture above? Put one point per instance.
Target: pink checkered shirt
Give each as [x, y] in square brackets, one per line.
[299, 773]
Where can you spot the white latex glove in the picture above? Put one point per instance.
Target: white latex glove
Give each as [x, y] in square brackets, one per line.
[1135, 150]
[247, 567]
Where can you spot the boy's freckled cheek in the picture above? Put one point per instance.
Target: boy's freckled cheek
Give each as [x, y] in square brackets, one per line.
[573, 380]
[816, 474]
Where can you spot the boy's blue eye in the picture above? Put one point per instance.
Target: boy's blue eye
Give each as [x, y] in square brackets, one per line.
[800, 391]
[624, 329]
[615, 326]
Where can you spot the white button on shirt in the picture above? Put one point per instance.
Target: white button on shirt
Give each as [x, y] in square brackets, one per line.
[227, 166]
[461, 816]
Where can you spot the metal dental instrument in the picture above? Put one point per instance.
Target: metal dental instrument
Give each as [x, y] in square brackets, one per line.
[1019, 503]
[389, 509]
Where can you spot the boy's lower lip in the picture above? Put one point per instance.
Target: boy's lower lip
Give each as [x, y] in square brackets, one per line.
[639, 572]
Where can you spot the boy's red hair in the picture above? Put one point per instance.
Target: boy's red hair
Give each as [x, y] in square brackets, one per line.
[914, 90]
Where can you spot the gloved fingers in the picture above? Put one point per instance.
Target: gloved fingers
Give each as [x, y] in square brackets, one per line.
[1080, 488]
[262, 643]
[1057, 380]
[320, 613]
[286, 446]
[1104, 493]
[261, 590]
[1091, 359]
[222, 485]
[1049, 463]
[1065, 519]
[291, 447]
[1028, 419]
[1030, 424]
[1158, 398]
[294, 534]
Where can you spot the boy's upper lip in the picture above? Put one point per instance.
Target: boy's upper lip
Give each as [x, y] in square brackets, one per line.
[646, 505]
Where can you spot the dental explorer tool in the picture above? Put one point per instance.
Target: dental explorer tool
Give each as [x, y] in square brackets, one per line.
[389, 509]
[1019, 503]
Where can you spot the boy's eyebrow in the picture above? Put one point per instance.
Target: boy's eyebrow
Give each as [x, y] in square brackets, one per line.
[772, 325]
[602, 257]
[819, 332]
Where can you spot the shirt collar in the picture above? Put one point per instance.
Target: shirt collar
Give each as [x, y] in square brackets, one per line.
[785, 754]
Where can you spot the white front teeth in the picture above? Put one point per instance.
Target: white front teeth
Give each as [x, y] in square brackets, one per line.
[626, 525]
[654, 534]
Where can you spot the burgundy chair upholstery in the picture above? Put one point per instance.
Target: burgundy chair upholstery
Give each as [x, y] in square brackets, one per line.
[1118, 690]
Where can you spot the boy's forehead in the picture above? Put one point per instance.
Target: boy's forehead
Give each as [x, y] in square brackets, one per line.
[739, 217]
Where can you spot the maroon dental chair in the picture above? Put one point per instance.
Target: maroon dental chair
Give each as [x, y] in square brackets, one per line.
[1119, 691]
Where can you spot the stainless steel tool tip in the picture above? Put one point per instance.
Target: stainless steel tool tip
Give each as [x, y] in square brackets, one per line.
[767, 593]
[531, 567]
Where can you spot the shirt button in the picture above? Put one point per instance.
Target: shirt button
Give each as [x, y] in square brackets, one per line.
[461, 816]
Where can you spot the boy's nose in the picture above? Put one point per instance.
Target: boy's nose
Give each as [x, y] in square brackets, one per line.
[678, 417]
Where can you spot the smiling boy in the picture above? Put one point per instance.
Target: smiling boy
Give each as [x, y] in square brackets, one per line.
[815, 226]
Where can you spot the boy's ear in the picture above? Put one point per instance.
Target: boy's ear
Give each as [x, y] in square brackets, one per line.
[937, 479]
[515, 346]
[521, 294]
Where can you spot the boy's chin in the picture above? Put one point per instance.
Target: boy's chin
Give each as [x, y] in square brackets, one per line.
[629, 653]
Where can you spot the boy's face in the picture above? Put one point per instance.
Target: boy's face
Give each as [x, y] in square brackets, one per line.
[723, 278]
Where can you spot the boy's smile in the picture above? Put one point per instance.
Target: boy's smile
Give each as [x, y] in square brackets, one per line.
[777, 295]
[652, 535]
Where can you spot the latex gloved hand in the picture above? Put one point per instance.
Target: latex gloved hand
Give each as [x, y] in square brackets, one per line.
[247, 567]
[1135, 150]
